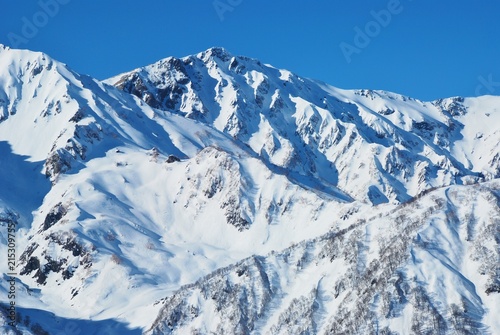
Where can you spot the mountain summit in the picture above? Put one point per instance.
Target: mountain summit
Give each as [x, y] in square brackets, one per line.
[216, 194]
[373, 145]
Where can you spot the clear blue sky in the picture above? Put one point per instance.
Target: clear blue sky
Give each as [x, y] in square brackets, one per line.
[427, 49]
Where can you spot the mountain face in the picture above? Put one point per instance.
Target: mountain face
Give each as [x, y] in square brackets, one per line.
[428, 267]
[216, 194]
[374, 146]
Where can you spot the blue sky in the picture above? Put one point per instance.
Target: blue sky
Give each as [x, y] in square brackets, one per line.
[421, 48]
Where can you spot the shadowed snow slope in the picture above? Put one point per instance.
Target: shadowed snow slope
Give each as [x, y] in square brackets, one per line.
[227, 185]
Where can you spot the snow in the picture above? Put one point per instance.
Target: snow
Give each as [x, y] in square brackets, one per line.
[264, 161]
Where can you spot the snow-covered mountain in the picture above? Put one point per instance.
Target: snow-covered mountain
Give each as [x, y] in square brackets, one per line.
[373, 145]
[428, 267]
[214, 193]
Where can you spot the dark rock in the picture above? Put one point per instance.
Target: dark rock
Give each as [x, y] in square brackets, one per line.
[494, 288]
[172, 159]
[54, 216]
[78, 116]
[57, 163]
[32, 265]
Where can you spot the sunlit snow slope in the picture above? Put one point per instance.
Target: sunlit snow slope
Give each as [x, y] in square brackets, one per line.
[137, 198]
[426, 267]
[374, 145]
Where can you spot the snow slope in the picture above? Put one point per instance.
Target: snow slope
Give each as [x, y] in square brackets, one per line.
[127, 188]
[426, 267]
[152, 183]
[375, 146]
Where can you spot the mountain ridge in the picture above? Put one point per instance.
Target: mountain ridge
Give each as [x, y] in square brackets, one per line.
[373, 120]
[148, 182]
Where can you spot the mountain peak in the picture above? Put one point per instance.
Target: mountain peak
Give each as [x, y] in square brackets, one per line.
[295, 124]
[215, 52]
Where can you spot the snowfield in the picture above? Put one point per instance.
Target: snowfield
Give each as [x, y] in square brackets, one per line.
[216, 194]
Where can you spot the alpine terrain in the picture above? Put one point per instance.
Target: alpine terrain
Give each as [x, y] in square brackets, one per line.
[215, 194]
